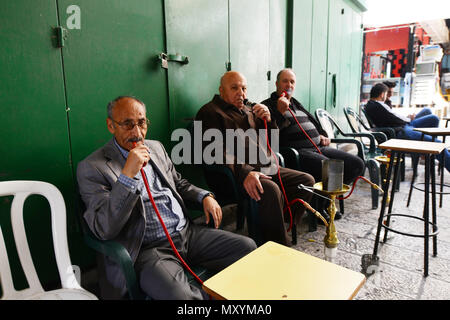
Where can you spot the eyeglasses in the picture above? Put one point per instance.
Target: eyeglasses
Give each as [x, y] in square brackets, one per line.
[129, 124]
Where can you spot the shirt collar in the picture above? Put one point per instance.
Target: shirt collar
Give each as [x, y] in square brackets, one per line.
[122, 150]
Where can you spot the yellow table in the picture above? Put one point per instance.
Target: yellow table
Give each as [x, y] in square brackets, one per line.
[276, 272]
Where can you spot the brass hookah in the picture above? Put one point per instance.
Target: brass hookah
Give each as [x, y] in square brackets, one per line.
[330, 188]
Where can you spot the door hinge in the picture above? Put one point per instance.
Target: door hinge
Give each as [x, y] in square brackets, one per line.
[61, 36]
[269, 75]
[228, 66]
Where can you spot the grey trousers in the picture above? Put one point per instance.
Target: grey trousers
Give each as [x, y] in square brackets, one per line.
[161, 274]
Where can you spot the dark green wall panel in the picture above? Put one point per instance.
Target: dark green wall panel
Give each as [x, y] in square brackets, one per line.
[113, 53]
[334, 55]
[249, 44]
[277, 39]
[199, 30]
[34, 134]
[301, 49]
[319, 53]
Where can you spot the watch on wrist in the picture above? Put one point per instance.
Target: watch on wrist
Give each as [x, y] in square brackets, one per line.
[209, 195]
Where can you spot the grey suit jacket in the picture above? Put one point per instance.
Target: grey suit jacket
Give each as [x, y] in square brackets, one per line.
[115, 213]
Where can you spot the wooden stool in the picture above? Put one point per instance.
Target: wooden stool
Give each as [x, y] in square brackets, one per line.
[276, 272]
[429, 150]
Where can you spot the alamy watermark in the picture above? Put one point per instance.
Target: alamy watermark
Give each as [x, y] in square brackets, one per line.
[232, 147]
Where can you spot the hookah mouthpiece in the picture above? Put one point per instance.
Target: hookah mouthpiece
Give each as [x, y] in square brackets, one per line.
[249, 103]
[286, 93]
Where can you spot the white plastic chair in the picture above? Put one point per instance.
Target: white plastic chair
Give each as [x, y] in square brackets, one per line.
[71, 290]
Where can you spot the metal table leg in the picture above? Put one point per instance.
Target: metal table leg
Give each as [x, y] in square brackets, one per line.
[393, 190]
[441, 167]
[433, 195]
[426, 213]
[383, 205]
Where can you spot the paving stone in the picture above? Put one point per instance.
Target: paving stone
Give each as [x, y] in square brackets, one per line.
[434, 289]
[372, 292]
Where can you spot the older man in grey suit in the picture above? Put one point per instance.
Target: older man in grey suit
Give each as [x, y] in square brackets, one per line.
[118, 208]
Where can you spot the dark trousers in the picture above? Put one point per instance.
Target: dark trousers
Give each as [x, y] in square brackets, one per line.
[161, 274]
[311, 162]
[270, 207]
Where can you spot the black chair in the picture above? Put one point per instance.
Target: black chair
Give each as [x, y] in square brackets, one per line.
[117, 252]
[367, 154]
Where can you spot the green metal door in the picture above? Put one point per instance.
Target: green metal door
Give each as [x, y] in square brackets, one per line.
[344, 59]
[277, 40]
[344, 80]
[319, 53]
[249, 44]
[301, 49]
[357, 39]
[33, 131]
[197, 29]
[334, 57]
[112, 51]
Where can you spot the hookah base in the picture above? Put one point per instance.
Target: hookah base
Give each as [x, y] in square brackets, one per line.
[369, 264]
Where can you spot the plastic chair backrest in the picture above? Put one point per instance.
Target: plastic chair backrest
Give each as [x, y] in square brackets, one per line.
[326, 122]
[356, 124]
[364, 121]
[333, 129]
[21, 190]
[353, 120]
[364, 114]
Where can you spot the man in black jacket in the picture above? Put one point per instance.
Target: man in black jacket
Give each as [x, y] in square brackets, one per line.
[292, 136]
[391, 85]
[383, 116]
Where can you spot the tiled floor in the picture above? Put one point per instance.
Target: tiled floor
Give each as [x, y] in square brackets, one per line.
[400, 275]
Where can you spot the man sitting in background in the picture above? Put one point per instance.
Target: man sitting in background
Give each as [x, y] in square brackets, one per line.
[391, 85]
[293, 137]
[383, 116]
[228, 111]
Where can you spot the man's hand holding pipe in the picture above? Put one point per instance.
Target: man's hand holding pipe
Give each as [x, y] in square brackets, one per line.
[261, 111]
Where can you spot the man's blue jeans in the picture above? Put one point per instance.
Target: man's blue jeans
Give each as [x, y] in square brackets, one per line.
[424, 119]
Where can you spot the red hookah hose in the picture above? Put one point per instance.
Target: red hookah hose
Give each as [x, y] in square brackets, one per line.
[174, 249]
[298, 124]
[353, 187]
[289, 204]
[279, 178]
[309, 138]
[318, 150]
